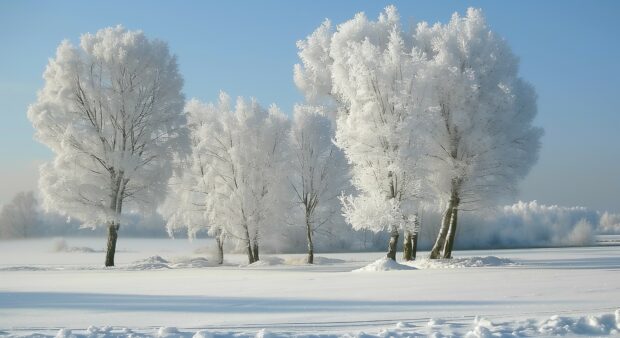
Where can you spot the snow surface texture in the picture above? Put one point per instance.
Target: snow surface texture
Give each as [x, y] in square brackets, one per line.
[606, 324]
[175, 293]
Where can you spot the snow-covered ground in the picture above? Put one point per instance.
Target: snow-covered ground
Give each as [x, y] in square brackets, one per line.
[47, 288]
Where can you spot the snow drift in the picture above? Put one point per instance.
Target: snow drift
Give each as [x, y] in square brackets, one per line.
[458, 262]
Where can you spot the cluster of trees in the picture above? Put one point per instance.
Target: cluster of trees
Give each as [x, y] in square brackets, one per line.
[393, 122]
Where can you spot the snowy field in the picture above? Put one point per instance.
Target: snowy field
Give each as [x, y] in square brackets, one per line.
[51, 289]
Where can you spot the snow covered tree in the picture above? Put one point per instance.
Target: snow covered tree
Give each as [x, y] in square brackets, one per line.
[319, 172]
[19, 218]
[313, 77]
[374, 71]
[112, 113]
[245, 150]
[185, 207]
[481, 137]
[470, 111]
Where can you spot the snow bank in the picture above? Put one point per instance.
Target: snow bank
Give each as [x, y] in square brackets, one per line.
[461, 262]
[384, 264]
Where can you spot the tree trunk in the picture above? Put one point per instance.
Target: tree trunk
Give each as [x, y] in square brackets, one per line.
[112, 237]
[255, 251]
[414, 245]
[220, 249]
[310, 243]
[447, 250]
[250, 253]
[446, 221]
[408, 246]
[393, 244]
[248, 243]
[116, 205]
[443, 231]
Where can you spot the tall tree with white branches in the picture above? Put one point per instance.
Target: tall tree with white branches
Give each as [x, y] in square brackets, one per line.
[482, 141]
[111, 110]
[370, 69]
[318, 172]
[185, 207]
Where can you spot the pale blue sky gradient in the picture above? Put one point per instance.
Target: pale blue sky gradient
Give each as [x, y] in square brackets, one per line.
[569, 51]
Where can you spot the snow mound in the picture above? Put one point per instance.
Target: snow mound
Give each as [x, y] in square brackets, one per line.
[263, 333]
[465, 262]
[169, 332]
[150, 263]
[197, 262]
[317, 261]
[64, 333]
[94, 331]
[435, 322]
[587, 325]
[484, 328]
[384, 264]
[203, 334]
[267, 261]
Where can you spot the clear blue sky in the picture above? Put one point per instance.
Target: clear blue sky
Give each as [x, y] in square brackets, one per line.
[569, 51]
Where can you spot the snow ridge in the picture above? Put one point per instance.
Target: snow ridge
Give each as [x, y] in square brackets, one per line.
[589, 325]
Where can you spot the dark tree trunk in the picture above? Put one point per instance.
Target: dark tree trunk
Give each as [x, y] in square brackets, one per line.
[116, 205]
[310, 243]
[248, 243]
[250, 253]
[414, 245]
[408, 246]
[447, 250]
[255, 250]
[112, 237]
[443, 232]
[392, 245]
[447, 221]
[220, 249]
